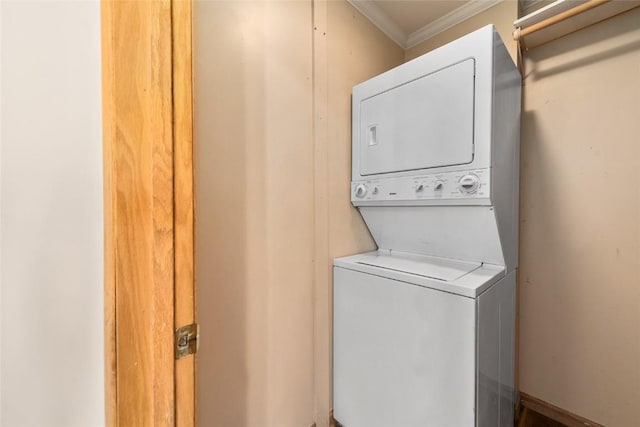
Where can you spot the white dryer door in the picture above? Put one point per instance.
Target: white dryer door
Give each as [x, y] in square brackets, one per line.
[425, 123]
[404, 355]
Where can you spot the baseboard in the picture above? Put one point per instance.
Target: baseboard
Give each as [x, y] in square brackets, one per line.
[518, 409]
[332, 421]
[555, 413]
[537, 405]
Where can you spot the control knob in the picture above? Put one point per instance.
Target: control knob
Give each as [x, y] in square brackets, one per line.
[469, 183]
[361, 191]
[438, 185]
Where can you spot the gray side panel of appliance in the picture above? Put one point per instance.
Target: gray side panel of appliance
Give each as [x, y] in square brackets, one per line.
[505, 150]
[496, 354]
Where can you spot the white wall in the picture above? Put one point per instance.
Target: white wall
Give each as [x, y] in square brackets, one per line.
[51, 215]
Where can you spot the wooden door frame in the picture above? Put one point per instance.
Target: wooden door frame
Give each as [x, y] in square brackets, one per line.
[148, 199]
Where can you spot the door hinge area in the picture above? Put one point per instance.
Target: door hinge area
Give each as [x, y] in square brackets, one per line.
[186, 340]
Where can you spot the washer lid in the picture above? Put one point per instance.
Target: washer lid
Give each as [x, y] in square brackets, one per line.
[465, 278]
[431, 267]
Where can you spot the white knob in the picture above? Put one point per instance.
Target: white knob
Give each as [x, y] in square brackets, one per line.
[419, 188]
[361, 191]
[469, 183]
[375, 190]
[438, 185]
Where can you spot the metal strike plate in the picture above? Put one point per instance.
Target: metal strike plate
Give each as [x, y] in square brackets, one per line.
[186, 340]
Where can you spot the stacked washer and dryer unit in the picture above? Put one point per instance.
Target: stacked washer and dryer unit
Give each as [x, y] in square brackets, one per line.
[424, 326]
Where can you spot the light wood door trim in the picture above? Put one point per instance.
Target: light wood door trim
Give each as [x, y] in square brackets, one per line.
[109, 131]
[147, 139]
[184, 202]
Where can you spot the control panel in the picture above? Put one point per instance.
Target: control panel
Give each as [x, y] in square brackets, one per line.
[464, 187]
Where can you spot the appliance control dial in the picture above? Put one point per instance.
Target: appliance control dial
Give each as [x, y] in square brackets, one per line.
[469, 183]
[419, 187]
[375, 190]
[361, 191]
[438, 185]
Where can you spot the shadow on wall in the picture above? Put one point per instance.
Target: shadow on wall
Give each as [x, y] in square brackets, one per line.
[580, 223]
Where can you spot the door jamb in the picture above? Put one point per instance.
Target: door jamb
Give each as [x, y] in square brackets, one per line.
[148, 195]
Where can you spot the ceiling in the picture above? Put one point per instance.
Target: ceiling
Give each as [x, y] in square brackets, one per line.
[409, 22]
[411, 15]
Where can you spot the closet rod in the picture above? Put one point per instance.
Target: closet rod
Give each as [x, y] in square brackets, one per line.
[519, 33]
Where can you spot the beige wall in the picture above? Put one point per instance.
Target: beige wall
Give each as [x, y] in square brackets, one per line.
[266, 229]
[501, 15]
[580, 223]
[254, 212]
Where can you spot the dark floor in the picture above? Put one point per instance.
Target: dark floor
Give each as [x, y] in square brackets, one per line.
[529, 418]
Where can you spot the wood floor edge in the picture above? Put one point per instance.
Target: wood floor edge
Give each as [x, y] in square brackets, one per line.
[554, 412]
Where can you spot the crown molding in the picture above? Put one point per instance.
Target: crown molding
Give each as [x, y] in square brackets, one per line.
[455, 17]
[381, 20]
